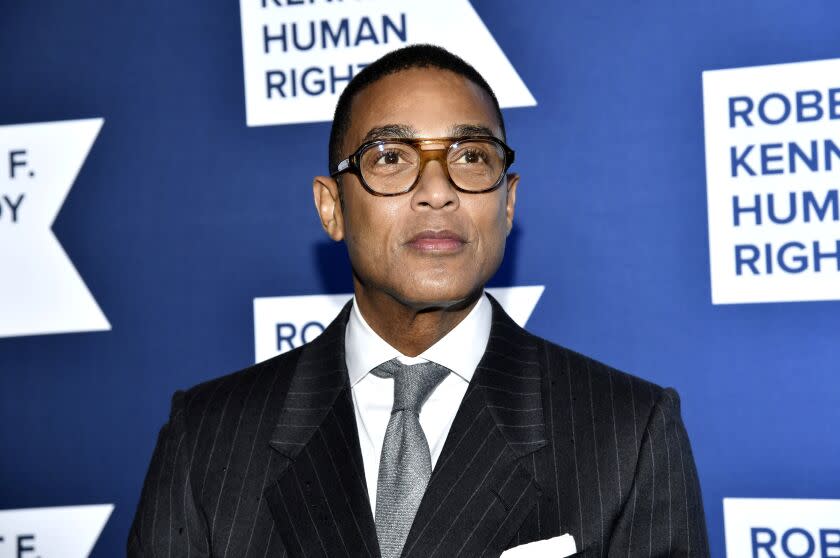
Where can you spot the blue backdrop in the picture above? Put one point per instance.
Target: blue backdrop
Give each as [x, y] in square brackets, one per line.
[182, 215]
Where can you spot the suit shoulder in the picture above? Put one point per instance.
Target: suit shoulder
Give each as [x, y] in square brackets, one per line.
[587, 377]
[212, 396]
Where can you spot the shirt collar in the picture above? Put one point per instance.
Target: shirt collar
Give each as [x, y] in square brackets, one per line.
[460, 350]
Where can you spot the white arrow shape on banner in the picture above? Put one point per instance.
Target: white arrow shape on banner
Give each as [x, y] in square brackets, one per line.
[518, 302]
[67, 531]
[282, 323]
[40, 290]
[298, 58]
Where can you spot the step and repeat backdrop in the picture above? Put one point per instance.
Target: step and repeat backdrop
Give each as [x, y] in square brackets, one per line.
[678, 218]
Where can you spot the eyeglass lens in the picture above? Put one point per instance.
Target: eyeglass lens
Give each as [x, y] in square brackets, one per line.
[473, 165]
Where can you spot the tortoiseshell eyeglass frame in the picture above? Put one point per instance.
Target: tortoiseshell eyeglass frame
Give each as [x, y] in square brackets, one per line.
[351, 163]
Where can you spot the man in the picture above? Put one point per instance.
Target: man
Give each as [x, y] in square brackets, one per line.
[423, 421]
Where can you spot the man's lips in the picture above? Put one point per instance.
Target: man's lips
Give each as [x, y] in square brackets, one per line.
[437, 241]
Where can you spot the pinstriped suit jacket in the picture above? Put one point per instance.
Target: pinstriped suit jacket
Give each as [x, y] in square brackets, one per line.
[266, 462]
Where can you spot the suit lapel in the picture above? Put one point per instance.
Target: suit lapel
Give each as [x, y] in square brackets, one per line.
[319, 500]
[481, 489]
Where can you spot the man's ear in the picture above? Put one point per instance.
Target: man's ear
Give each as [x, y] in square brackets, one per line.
[512, 183]
[328, 205]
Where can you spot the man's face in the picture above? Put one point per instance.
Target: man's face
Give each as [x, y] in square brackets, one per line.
[433, 246]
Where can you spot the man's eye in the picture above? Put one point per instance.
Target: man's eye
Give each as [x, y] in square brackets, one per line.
[388, 158]
[471, 157]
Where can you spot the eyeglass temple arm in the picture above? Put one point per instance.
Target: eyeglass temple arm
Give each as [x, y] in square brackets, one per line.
[341, 167]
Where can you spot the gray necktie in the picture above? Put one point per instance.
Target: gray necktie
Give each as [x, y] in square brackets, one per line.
[405, 465]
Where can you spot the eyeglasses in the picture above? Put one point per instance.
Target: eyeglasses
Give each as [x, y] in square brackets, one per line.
[392, 167]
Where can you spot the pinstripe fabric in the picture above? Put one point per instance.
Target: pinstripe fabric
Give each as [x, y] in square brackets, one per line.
[266, 462]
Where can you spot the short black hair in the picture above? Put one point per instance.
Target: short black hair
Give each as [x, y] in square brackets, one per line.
[413, 56]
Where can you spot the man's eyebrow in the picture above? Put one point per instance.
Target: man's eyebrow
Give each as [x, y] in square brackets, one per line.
[463, 130]
[390, 131]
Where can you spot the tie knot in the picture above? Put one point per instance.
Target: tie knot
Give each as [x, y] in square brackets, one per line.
[412, 382]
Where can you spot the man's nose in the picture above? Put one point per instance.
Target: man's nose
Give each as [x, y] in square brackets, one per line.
[435, 189]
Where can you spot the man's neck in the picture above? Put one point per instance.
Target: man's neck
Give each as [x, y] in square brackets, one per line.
[410, 329]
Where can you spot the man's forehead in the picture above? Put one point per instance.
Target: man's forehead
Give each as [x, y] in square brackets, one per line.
[407, 131]
[422, 102]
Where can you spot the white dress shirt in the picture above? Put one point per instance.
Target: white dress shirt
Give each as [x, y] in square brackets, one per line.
[460, 350]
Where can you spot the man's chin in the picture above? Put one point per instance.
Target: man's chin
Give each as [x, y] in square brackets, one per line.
[438, 297]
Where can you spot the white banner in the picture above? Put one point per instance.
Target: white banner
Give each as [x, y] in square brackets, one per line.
[282, 323]
[772, 161]
[781, 528]
[298, 56]
[61, 532]
[40, 290]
